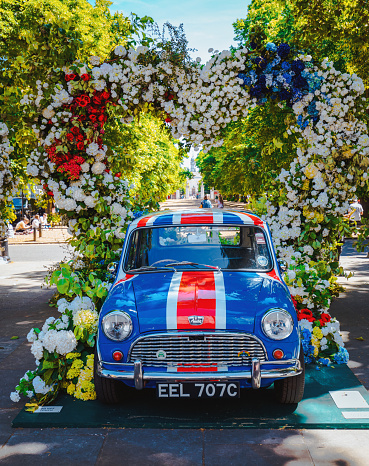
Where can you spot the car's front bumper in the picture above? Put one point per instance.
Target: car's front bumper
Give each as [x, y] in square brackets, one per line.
[139, 374]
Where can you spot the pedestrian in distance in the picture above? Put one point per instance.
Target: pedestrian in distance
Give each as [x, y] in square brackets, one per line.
[36, 222]
[356, 212]
[22, 226]
[220, 202]
[206, 204]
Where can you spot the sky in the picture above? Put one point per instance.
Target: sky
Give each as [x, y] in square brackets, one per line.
[207, 23]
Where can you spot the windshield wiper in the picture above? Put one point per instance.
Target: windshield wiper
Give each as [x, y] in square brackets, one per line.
[148, 268]
[192, 263]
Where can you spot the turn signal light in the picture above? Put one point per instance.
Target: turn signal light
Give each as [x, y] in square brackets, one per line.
[278, 354]
[117, 355]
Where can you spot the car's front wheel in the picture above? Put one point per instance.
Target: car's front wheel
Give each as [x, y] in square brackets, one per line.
[291, 389]
[108, 391]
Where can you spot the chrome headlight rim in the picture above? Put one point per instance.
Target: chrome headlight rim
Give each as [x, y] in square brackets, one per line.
[282, 311]
[117, 312]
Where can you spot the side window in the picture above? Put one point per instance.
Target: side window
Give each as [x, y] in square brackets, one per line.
[132, 251]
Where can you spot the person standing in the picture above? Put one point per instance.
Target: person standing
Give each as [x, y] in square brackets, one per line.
[206, 204]
[220, 202]
[356, 211]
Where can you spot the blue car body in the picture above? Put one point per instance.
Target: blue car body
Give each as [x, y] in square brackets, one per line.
[202, 324]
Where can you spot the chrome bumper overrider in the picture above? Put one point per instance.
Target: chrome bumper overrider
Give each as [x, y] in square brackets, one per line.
[136, 372]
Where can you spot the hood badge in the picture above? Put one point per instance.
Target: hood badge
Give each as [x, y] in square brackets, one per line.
[161, 354]
[196, 320]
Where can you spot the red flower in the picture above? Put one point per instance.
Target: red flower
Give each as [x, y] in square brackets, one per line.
[96, 100]
[168, 120]
[105, 95]
[80, 146]
[74, 130]
[305, 314]
[85, 77]
[50, 193]
[118, 175]
[70, 77]
[83, 100]
[93, 118]
[102, 118]
[324, 318]
[70, 137]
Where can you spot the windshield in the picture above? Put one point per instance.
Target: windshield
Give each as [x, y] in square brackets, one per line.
[233, 247]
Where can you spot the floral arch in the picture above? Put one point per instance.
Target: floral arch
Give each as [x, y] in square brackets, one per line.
[76, 167]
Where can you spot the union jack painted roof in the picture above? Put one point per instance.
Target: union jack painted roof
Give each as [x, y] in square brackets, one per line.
[198, 216]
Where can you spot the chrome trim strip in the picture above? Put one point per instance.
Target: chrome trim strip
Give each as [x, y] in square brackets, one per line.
[195, 333]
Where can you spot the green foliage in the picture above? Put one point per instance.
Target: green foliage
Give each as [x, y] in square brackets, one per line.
[254, 151]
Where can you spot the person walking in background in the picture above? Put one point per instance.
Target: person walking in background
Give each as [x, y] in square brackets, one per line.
[356, 211]
[220, 202]
[206, 204]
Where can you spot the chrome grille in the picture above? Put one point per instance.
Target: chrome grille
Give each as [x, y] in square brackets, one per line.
[197, 350]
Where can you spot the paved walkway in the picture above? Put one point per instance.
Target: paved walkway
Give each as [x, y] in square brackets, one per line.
[23, 304]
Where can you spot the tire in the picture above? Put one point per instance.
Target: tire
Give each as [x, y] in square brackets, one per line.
[291, 389]
[108, 391]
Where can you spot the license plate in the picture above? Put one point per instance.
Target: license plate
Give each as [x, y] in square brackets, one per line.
[198, 390]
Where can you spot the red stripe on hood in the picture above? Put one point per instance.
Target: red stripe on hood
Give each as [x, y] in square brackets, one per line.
[196, 296]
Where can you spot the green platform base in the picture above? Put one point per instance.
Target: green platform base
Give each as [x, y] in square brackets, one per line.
[255, 409]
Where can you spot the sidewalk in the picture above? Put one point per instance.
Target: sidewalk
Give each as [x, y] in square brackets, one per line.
[56, 234]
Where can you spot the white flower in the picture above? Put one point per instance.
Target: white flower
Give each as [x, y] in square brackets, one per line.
[47, 113]
[37, 349]
[98, 167]
[14, 396]
[120, 51]
[32, 336]
[40, 386]
[94, 60]
[92, 149]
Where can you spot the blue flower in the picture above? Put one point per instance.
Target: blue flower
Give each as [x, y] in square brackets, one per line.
[300, 82]
[298, 66]
[256, 91]
[285, 94]
[342, 356]
[283, 50]
[276, 61]
[271, 47]
[324, 361]
[287, 77]
[138, 213]
[285, 65]
[261, 62]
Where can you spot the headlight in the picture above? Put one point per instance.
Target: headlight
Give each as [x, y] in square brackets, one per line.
[277, 324]
[117, 325]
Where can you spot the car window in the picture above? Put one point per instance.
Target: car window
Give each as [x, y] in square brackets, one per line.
[227, 247]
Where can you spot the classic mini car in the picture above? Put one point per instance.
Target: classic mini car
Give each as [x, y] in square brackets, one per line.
[198, 309]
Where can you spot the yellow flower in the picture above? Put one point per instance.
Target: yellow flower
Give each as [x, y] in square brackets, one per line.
[71, 389]
[318, 332]
[306, 185]
[319, 216]
[86, 318]
[75, 369]
[72, 355]
[311, 171]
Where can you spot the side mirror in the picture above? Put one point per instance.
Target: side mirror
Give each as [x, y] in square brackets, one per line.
[112, 268]
[282, 265]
